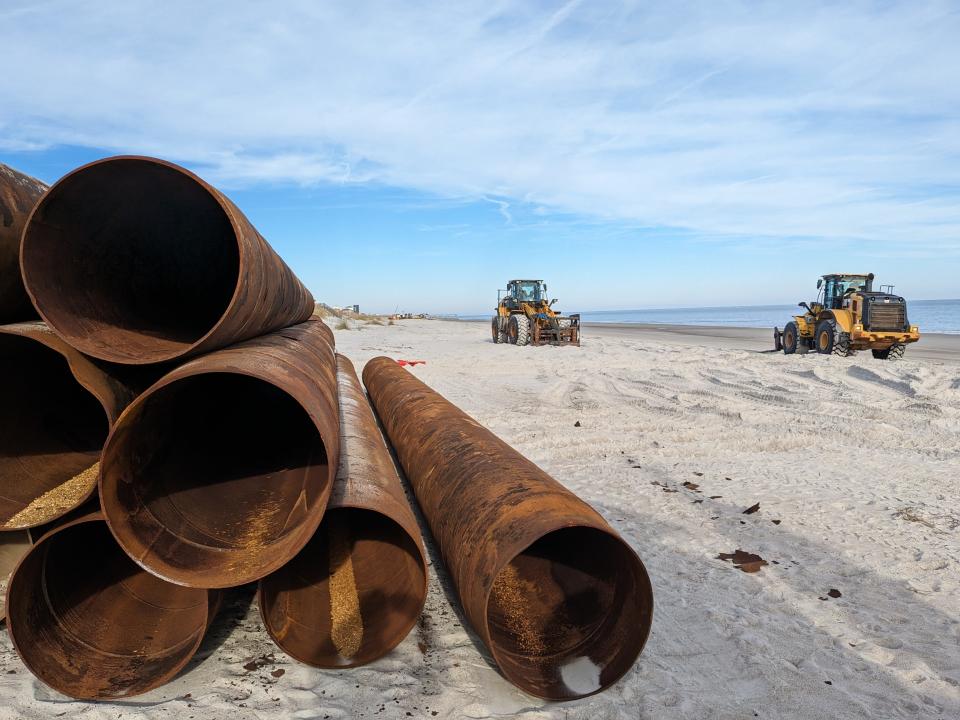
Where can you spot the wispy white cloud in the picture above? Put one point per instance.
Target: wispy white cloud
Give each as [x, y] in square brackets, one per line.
[726, 118]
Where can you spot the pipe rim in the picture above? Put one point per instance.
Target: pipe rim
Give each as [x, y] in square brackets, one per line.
[399, 636]
[114, 514]
[94, 350]
[195, 641]
[33, 335]
[626, 658]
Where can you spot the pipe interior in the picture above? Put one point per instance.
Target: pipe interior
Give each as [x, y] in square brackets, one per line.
[91, 624]
[227, 467]
[51, 430]
[568, 616]
[131, 258]
[351, 595]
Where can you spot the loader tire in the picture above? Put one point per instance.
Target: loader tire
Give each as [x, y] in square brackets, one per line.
[790, 338]
[519, 332]
[894, 352]
[830, 340]
[499, 336]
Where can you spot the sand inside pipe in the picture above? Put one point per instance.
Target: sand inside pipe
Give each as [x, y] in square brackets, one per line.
[346, 621]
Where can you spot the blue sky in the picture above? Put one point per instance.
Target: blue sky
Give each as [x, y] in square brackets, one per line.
[415, 156]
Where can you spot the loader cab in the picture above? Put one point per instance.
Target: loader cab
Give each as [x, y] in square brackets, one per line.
[527, 291]
[834, 289]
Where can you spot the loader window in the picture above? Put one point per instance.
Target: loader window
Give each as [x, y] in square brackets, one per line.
[528, 292]
[836, 287]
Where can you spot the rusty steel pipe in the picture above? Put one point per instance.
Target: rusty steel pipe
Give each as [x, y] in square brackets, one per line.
[561, 601]
[57, 406]
[13, 546]
[18, 196]
[219, 473]
[136, 260]
[91, 624]
[356, 590]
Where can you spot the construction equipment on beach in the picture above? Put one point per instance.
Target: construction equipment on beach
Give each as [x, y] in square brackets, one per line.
[524, 316]
[849, 315]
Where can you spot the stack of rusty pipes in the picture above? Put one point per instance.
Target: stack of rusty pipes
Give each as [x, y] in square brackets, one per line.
[229, 444]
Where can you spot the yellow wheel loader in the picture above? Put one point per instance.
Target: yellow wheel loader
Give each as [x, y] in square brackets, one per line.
[849, 315]
[524, 316]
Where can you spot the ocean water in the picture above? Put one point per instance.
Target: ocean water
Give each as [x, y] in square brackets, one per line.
[937, 316]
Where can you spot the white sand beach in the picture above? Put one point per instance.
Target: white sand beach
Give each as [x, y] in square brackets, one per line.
[855, 464]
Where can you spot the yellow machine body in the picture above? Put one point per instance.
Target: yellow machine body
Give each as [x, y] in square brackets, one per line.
[848, 316]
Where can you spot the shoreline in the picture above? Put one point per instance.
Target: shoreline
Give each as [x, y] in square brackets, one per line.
[942, 347]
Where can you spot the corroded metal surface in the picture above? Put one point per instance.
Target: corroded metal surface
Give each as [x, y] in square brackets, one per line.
[18, 194]
[356, 590]
[91, 624]
[561, 601]
[219, 473]
[136, 260]
[13, 546]
[57, 406]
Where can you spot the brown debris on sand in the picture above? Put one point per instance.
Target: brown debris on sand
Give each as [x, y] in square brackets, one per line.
[748, 562]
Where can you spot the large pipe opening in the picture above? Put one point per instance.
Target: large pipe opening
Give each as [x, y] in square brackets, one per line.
[351, 595]
[131, 259]
[51, 432]
[568, 616]
[91, 624]
[214, 480]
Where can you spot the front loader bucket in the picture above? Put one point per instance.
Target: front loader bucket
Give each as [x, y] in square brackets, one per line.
[556, 330]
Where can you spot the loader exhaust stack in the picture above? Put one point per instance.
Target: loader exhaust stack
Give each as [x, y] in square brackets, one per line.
[563, 603]
[91, 624]
[220, 472]
[136, 260]
[356, 590]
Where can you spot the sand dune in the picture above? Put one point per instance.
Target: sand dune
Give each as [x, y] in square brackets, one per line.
[855, 464]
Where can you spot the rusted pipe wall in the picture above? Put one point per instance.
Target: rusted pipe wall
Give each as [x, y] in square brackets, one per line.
[18, 195]
[357, 588]
[136, 260]
[561, 601]
[56, 409]
[91, 624]
[219, 473]
[14, 545]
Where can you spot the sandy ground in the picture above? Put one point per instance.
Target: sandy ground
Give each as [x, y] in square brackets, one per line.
[855, 464]
[932, 346]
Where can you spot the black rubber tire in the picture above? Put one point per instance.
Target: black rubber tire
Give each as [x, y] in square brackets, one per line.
[894, 352]
[790, 338]
[825, 337]
[498, 335]
[519, 330]
[829, 339]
